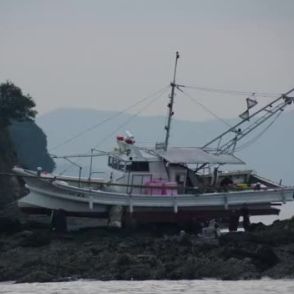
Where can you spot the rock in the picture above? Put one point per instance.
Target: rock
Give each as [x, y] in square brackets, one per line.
[38, 255]
[9, 225]
[237, 252]
[235, 269]
[266, 256]
[257, 227]
[124, 260]
[273, 237]
[36, 276]
[235, 238]
[34, 239]
[137, 272]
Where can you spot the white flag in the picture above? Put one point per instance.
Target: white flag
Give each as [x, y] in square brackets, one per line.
[250, 102]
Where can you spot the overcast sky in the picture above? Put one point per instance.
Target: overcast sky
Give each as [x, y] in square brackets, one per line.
[108, 54]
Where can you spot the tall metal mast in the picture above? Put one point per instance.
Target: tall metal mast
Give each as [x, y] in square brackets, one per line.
[171, 103]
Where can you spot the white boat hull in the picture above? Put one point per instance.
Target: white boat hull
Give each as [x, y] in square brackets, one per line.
[54, 195]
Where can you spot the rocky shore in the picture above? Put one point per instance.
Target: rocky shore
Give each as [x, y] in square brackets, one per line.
[33, 253]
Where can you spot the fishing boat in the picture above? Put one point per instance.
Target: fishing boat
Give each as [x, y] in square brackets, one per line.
[166, 184]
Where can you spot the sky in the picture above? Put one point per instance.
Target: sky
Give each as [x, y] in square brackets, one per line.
[107, 55]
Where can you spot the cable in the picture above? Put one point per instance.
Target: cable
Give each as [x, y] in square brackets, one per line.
[116, 114]
[205, 108]
[128, 120]
[121, 125]
[231, 92]
[254, 139]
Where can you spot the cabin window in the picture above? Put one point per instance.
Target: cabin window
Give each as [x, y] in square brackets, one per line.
[115, 163]
[134, 166]
[180, 178]
[139, 166]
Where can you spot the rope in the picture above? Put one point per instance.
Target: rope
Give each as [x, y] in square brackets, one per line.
[206, 108]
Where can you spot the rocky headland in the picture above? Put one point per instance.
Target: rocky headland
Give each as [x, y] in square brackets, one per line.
[33, 253]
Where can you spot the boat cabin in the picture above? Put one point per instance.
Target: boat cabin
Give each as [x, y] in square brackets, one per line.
[159, 171]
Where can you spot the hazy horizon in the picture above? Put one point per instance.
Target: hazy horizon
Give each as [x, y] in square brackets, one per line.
[106, 55]
[143, 115]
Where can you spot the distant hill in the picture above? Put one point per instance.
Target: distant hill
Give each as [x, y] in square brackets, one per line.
[272, 155]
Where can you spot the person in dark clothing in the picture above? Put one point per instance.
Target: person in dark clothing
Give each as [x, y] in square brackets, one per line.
[234, 220]
[226, 183]
[58, 221]
[246, 218]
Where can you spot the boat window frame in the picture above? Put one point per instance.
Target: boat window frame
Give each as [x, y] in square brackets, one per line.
[128, 165]
[117, 163]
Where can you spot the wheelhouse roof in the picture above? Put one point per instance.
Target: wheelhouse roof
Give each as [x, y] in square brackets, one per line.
[194, 155]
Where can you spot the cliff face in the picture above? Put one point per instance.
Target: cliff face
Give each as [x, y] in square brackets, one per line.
[25, 144]
[7, 161]
[30, 144]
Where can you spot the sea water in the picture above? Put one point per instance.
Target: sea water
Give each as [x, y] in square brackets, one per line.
[265, 286]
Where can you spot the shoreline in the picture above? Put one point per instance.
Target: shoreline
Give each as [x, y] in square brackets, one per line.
[262, 279]
[36, 254]
[147, 287]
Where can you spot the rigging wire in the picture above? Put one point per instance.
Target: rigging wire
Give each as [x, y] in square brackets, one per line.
[254, 139]
[205, 108]
[115, 115]
[121, 125]
[129, 119]
[215, 90]
[231, 92]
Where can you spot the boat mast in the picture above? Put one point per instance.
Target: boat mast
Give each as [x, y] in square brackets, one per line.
[171, 103]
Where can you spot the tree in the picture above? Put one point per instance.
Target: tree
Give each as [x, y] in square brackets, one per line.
[14, 105]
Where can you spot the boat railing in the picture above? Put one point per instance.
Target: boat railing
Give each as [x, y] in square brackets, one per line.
[172, 190]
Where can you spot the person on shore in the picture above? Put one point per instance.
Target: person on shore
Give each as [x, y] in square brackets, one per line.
[234, 220]
[246, 218]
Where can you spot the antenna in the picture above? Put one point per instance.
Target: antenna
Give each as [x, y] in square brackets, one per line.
[171, 103]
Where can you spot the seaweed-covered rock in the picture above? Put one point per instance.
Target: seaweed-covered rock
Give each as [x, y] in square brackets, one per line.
[266, 256]
[40, 255]
[34, 238]
[9, 225]
[36, 276]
